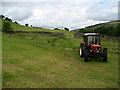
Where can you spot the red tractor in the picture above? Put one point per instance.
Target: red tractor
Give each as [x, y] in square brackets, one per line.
[91, 47]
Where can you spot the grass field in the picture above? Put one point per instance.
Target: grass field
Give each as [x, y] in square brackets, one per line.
[42, 61]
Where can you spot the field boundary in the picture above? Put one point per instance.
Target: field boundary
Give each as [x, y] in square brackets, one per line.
[42, 32]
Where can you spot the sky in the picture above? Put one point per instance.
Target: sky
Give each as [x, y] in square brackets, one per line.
[72, 14]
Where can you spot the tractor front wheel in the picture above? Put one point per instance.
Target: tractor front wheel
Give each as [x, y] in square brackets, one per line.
[81, 52]
[86, 55]
[86, 59]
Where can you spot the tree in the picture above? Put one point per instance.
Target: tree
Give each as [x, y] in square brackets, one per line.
[56, 29]
[102, 30]
[7, 27]
[117, 31]
[66, 29]
[2, 16]
[26, 24]
[8, 19]
[81, 30]
[16, 22]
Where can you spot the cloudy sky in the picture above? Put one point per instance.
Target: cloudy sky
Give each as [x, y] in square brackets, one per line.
[60, 13]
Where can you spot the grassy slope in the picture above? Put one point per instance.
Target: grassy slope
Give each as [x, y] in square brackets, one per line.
[17, 27]
[33, 60]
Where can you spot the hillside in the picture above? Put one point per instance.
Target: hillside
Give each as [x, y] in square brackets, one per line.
[109, 29]
[17, 27]
[44, 61]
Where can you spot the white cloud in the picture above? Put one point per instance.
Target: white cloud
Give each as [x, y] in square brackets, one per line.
[60, 0]
[17, 13]
[64, 14]
[105, 11]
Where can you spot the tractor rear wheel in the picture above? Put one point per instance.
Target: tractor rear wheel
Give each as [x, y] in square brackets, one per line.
[105, 59]
[105, 55]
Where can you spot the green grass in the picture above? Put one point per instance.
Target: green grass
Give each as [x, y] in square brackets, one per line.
[0, 60]
[41, 61]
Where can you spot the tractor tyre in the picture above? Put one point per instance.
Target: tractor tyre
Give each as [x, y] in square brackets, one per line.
[81, 52]
[105, 55]
[86, 55]
[86, 59]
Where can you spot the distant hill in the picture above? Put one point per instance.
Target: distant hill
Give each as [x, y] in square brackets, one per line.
[109, 29]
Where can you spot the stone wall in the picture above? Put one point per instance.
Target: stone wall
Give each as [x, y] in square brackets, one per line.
[42, 32]
[78, 34]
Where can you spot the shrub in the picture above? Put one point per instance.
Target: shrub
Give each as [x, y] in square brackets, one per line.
[8, 19]
[2, 16]
[26, 24]
[16, 22]
[56, 29]
[66, 29]
[7, 27]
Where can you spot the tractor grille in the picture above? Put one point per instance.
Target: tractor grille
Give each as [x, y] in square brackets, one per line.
[97, 48]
